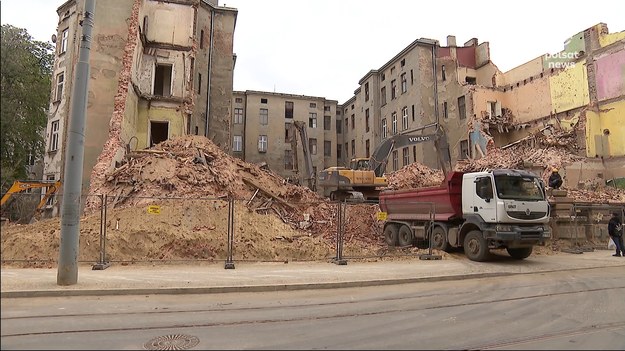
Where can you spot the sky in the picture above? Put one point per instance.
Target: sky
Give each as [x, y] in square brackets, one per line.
[324, 47]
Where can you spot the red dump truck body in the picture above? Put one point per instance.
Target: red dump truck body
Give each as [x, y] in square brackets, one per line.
[445, 201]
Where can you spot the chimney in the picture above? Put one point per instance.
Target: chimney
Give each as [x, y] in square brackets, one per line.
[472, 42]
[451, 40]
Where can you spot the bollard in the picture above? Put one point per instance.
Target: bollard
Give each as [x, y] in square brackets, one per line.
[102, 264]
[340, 228]
[229, 262]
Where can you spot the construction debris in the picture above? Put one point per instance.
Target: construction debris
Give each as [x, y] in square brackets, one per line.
[190, 180]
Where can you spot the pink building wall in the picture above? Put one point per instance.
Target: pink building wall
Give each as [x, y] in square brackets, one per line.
[611, 76]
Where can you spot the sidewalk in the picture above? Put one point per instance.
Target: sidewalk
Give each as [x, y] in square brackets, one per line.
[141, 279]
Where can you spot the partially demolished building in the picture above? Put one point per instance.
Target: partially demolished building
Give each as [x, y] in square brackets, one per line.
[573, 98]
[159, 69]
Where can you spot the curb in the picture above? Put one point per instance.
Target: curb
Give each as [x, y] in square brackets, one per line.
[267, 288]
[242, 288]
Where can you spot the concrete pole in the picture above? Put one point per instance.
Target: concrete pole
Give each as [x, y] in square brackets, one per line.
[74, 155]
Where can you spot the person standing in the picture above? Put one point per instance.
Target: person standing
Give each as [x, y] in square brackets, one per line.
[615, 230]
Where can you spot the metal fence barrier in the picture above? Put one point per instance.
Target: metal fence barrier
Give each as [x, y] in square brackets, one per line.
[130, 230]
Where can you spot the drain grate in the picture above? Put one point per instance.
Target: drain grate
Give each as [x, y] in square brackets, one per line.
[172, 342]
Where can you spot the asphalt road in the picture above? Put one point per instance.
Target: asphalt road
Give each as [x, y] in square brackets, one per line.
[577, 310]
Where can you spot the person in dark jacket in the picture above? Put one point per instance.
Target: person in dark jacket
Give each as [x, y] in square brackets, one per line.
[555, 180]
[615, 229]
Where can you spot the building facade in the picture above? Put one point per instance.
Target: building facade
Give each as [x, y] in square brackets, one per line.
[262, 131]
[459, 89]
[422, 88]
[158, 69]
[580, 90]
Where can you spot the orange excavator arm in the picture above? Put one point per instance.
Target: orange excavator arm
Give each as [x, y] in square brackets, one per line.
[22, 185]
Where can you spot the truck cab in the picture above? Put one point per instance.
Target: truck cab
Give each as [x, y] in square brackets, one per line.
[508, 207]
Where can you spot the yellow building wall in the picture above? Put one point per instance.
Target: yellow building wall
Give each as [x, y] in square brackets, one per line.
[607, 39]
[605, 130]
[161, 114]
[569, 88]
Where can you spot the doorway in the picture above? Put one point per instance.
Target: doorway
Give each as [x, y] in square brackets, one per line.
[159, 131]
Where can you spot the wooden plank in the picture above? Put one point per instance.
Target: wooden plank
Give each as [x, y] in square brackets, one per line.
[252, 198]
[268, 193]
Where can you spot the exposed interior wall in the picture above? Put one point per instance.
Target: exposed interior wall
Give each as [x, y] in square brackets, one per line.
[593, 172]
[114, 145]
[169, 23]
[569, 88]
[531, 68]
[605, 130]
[221, 75]
[607, 70]
[531, 99]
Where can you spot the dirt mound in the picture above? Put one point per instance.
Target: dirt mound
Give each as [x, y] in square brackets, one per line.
[189, 179]
[194, 167]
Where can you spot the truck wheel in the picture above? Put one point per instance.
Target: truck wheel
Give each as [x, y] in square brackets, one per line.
[391, 234]
[439, 239]
[475, 247]
[405, 236]
[520, 253]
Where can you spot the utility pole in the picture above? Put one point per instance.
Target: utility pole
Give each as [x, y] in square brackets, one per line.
[74, 156]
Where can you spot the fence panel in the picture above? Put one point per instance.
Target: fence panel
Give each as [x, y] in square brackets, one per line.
[269, 230]
[366, 235]
[155, 229]
[31, 237]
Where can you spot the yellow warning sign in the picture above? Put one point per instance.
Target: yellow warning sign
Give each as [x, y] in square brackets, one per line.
[153, 209]
[382, 216]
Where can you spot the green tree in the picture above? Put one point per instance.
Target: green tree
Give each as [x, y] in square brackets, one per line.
[26, 67]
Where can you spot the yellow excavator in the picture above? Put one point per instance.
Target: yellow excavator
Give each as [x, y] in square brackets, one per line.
[365, 178]
[21, 185]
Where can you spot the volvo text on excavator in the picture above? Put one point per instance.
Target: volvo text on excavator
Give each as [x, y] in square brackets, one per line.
[365, 178]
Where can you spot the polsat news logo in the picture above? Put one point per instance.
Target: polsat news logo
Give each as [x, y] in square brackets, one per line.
[563, 59]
